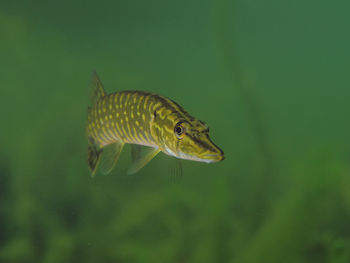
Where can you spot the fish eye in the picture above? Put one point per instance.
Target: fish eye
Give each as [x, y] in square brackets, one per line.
[179, 130]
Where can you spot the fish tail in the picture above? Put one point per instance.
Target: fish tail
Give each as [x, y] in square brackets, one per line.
[97, 92]
[94, 155]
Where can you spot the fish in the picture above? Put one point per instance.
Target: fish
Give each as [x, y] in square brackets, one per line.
[151, 123]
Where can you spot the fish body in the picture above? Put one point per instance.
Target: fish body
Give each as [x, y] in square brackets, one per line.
[143, 119]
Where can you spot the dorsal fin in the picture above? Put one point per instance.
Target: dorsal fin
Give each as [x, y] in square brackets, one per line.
[96, 89]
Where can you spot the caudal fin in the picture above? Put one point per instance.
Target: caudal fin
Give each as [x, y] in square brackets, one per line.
[94, 155]
[96, 93]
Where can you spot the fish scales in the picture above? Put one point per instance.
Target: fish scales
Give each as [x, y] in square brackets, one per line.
[125, 116]
[145, 119]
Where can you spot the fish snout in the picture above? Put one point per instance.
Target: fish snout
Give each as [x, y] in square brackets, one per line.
[215, 156]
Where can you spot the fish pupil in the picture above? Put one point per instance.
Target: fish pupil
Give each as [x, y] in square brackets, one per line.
[179, 129]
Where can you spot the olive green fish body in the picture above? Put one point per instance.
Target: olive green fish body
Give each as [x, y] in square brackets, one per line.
[122, 116]
[145, 119]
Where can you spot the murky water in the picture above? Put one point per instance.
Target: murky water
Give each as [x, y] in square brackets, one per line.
[269, 78]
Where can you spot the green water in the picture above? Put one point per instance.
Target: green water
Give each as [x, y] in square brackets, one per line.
[271, 78]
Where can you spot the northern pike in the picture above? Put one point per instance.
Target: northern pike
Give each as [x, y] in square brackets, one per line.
[144, 120]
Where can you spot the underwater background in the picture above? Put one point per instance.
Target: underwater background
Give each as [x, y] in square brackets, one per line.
[270, 78]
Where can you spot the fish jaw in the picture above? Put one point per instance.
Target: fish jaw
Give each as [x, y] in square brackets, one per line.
[213, 157]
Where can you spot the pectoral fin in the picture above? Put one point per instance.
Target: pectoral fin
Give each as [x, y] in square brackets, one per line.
[110, 156]
[141, 155]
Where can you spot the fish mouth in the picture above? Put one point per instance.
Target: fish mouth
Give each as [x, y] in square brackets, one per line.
[207, 158]
[214, 157]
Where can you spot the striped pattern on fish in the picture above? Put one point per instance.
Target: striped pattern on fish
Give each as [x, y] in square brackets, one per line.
[144, 119]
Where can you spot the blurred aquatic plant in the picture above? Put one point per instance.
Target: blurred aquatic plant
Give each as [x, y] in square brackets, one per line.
[51, 210]
[226, 38]
[241, 82]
